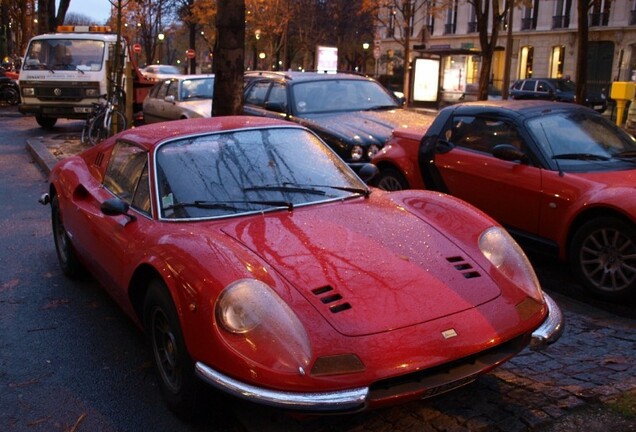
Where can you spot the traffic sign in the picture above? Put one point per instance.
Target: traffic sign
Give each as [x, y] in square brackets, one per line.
[136, 48]
[190, 53]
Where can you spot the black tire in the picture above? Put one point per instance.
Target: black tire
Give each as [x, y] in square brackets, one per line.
[390, 179]
[10, 95]
[98, 131]
[66, 254]
[603, 257]
[175, 369]
[46, 122]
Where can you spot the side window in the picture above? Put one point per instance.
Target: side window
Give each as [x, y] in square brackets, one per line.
[528, 85]
[542, 87]
[481, 134]
[173, 89]
[278, 94]
[163, 90]
[127, 175]
[256, 94]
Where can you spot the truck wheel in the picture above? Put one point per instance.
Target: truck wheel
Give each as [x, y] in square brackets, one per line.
[46, 122]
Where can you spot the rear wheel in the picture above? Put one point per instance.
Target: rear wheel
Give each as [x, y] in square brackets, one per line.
[101, 129]
[10, 95]
[46, 122]
[390, 179]
[179, 385]
[603, 257]
[66, 255]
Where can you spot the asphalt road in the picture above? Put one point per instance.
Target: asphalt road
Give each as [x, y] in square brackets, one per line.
[71, 361]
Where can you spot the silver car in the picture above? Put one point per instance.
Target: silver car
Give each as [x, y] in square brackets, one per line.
[188, 96]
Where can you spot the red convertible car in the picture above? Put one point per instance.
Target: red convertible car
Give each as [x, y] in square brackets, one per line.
[258, 262]
[560, 177]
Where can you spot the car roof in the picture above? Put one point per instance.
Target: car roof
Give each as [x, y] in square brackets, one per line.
[149, 136]
[298, 76]
[515, 108]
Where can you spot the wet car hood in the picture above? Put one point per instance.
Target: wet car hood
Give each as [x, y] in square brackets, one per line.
[365, 127]
[361, 275]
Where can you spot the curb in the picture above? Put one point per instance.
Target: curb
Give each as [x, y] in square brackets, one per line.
[41, 155]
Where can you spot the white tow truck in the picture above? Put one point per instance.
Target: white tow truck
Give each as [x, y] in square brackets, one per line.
[65, 73]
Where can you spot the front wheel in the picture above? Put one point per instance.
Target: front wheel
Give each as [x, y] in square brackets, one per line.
[66, 255]
[603, 257]
[390, 179]
[46, 122]
[175, 368]
[104, 125]
[10, 95]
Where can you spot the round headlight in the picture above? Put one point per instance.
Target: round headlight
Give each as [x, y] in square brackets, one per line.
[372, 150]
[357, 152]
[262, 327]
[505, 254]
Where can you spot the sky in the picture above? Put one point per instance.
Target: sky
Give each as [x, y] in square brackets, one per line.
[98, 10]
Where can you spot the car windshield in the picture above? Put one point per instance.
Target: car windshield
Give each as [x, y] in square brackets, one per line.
[340, 95]
[200, 88]
[565, 86]
[65, 54]
[248, 171]
[580, 138]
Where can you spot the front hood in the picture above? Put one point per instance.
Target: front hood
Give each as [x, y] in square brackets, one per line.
[367, 268]
[365, 127]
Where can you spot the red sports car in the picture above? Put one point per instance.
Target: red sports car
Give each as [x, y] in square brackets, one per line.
[560, 177]
[259, 263]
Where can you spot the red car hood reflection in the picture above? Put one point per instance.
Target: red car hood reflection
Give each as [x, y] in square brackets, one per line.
[361, 276]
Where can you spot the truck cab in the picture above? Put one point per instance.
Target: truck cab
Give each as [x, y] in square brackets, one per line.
[65, 73]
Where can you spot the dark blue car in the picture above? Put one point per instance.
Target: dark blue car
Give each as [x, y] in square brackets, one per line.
[556, 89]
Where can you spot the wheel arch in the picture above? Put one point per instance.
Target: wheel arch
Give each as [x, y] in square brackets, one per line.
[138, 287]
[586, 216]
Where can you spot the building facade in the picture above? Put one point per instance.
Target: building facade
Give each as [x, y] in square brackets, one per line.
[544, 42]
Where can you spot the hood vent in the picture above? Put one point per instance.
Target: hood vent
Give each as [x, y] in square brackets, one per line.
[327, 295]
[99, 159]
[465, 268]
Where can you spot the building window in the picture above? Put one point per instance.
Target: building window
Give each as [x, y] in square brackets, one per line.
[451, 19]
[632, 14]
[430, 18]
[599, 15]
[529, 17]
[526, 55]
[561, 18]
[556, 61]
[472, 20]
[390, 31]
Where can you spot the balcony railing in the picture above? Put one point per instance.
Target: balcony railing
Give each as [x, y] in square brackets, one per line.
[560, 21]
[598, 19]
[528, 24]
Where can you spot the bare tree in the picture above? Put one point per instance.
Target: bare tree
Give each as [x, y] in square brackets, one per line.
[583, 6]
[229, 60]
[48, 20]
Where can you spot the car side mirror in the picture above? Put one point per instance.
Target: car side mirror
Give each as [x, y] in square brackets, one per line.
[508, 152]
[276, 107]
[443, 146]
[169, 99]
[366, 171]
[116, 207]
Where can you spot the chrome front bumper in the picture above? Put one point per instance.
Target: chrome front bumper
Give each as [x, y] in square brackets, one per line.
[335, 401]
[551, 329]
[355, 399]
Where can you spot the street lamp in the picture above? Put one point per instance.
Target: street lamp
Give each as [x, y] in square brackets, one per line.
[161, 37]
[365, 52]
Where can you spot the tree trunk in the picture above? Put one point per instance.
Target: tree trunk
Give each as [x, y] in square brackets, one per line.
[229, 52]
[581, 51]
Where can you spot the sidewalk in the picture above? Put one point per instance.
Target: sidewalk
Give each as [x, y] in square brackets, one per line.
[47, 151]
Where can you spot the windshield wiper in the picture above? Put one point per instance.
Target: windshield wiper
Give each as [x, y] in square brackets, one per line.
[626, 154]
[228, 205]
[381, 107]
[285, 188]
[360, 191]
[581, 156]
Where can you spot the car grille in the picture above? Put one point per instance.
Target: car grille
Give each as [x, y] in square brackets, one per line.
[434, 381]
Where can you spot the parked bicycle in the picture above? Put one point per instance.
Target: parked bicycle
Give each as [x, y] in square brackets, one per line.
[106, 120]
